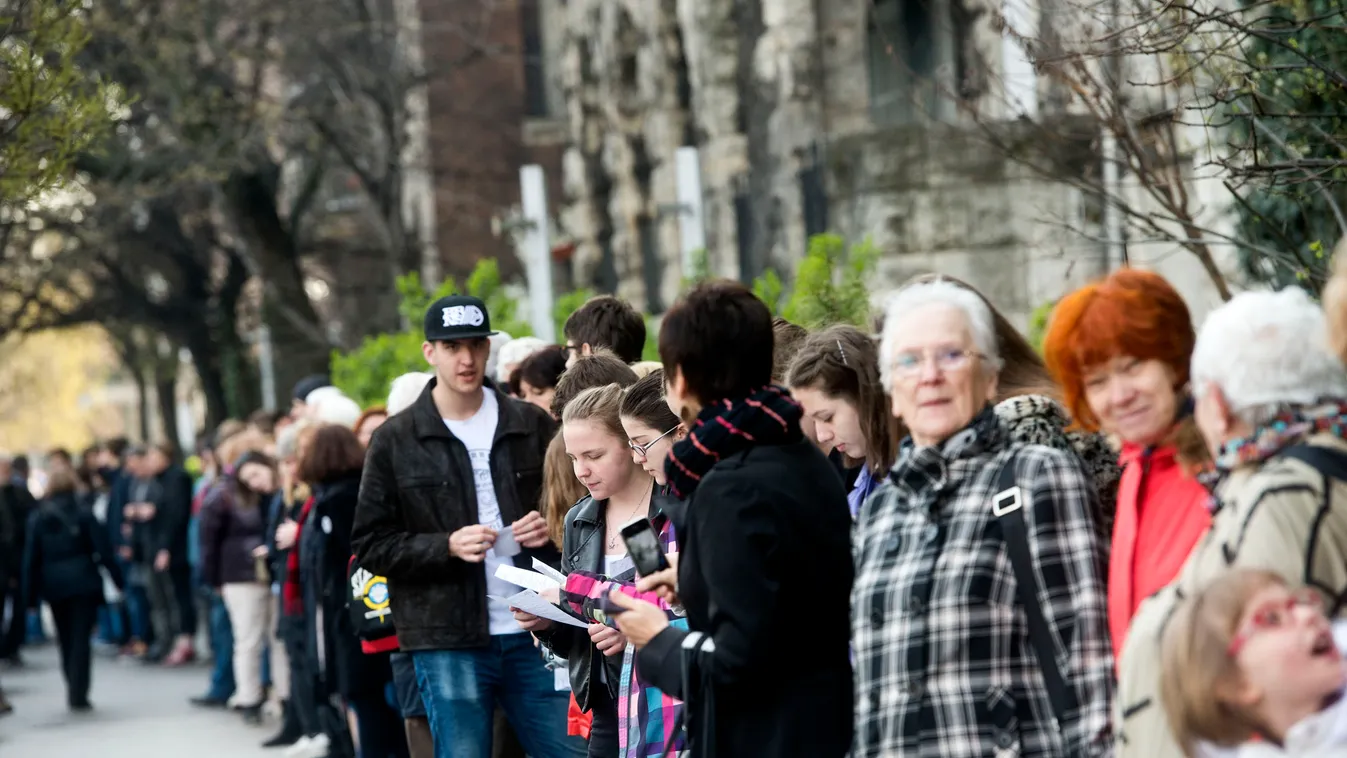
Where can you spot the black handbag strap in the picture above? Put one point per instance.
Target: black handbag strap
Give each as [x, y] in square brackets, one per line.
[1008, 505]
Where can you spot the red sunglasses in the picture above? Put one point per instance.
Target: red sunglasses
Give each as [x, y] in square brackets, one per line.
[1273, 615]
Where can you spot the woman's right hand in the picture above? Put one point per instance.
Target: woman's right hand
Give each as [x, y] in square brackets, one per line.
[286, 534]
[530, 623]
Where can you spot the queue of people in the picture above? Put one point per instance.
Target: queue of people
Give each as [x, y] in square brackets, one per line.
[928, 541]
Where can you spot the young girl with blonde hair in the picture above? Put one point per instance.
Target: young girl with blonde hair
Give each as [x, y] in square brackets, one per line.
[1252, 658]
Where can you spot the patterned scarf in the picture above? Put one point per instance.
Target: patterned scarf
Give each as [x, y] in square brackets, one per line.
[1286, 429]
[767, 417]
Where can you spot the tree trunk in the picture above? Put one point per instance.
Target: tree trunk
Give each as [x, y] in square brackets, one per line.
[142, 402]
[299, 338]
[166, 393]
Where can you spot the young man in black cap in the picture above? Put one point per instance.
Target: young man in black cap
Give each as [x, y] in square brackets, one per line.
[450, 491]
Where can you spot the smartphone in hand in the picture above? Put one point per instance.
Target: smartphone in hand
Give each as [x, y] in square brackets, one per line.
[643, 547]
[608, 606]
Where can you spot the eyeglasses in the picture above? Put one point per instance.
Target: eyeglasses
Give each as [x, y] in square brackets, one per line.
[1274, 615]
[642, 450]
[909, 364]
[571, 349]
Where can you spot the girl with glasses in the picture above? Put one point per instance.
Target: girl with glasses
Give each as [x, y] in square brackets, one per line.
[651, 426]
[1250, 657]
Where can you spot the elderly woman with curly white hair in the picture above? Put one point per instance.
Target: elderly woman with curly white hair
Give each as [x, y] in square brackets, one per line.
[978, 612]
[1271, 402]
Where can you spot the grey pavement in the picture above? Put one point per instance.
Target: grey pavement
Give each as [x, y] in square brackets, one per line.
[139, 712]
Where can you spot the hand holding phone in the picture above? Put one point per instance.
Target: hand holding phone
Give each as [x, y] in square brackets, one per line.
[643, 546]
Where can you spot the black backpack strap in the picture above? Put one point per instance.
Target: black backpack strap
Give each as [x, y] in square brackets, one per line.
[1007, 505]
[1331, 462]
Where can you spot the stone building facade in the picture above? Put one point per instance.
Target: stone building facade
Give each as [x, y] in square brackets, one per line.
[810, 116]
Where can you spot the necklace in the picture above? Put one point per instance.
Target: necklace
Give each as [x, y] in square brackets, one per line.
[614, 535]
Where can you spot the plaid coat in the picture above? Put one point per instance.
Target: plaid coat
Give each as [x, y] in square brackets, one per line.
[943, 666]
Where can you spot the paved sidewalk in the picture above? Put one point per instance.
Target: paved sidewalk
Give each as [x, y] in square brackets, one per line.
[139, 712]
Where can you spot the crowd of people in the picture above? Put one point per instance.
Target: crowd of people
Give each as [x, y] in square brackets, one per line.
[927, 538]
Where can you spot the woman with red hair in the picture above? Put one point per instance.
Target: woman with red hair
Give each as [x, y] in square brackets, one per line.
[1120, 348]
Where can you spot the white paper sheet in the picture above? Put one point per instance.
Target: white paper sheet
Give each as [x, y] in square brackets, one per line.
[549, 572]
[529, 601]
[505, 545]
[524, 578]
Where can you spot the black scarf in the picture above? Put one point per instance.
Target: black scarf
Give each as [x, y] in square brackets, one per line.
[767, 417]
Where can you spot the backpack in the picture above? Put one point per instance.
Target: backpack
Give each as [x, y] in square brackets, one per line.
[371, 613]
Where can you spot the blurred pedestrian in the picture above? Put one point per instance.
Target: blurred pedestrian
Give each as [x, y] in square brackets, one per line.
[66, 549]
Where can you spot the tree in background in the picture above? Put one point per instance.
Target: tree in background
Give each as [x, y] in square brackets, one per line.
[50, 109]
[1288, 114]
[1135, 103]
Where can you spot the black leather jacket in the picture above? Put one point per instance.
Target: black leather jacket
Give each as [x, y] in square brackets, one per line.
[416, 490]
[582, 550]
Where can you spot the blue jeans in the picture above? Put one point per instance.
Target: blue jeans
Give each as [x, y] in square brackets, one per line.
[35, 634]
[221, 650]
[462, 687]
[137, 602]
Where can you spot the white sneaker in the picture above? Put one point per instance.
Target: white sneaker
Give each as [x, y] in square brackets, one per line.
[314, 746]
[301, 748]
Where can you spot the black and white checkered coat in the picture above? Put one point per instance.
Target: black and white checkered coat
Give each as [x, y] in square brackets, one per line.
[943, 664]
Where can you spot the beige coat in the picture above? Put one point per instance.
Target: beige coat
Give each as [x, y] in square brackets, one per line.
[1272, 517]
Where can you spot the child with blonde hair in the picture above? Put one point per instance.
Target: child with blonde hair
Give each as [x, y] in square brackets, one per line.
[1250, 659]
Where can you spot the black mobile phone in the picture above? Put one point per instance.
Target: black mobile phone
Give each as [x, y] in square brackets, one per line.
[643, 547]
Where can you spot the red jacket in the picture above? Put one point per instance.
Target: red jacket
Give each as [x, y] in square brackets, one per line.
[1162, 513]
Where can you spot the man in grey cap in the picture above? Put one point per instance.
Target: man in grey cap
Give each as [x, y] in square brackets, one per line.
[450, 491]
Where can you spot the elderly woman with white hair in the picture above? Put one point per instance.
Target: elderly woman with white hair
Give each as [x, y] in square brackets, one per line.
[1271, 402]
[978, 612]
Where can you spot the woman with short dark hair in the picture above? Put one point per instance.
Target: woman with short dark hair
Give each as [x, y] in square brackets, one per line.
[535, 381]
[330, 461]
[765, 534]
[66, 546]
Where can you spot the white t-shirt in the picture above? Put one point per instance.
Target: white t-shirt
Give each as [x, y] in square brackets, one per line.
[477, 434]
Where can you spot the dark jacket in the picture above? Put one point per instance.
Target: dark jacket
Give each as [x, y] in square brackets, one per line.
[229, 531]
[582, 549]
[173, 514]
[65, 547]
[11, 548]
[763, 545]
[19, 504]
[324, 555]
[416, 490]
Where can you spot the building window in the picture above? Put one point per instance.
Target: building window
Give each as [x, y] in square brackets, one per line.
[535, 59]
[903, 60]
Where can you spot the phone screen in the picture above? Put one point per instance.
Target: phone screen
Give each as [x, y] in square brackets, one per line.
[643, 547]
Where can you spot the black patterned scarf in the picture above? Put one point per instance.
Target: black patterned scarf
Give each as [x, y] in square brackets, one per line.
[769, 416]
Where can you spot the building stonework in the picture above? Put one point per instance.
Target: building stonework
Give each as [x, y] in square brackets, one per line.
[777, 94]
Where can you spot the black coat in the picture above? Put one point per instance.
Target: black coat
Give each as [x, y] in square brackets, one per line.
[66, 546]
[324, 557]
[18, 505]
[765, 572]
[416, 490]
[582, 549]
[173, 514]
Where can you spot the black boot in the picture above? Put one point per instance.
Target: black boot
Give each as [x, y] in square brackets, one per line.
[290, 729]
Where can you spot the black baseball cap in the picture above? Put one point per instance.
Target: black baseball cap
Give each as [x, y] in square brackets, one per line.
[457, 317]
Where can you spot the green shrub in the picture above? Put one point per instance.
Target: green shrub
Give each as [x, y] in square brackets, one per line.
[831, 284]
[829, 288]
[1038, 324]
[365, 373]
